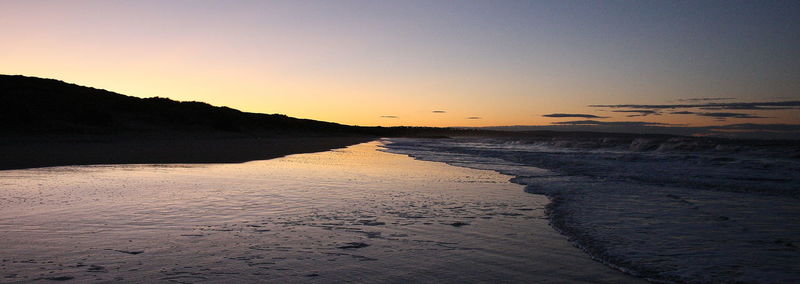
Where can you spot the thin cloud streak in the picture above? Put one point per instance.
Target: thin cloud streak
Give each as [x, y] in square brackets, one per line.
[640, 112]
[704, 99]
[572, 115]
[720, 115]
[720, 106]
[613, 123]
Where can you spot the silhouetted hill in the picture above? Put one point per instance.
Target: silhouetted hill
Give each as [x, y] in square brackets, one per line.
[36, 105]
[46, 122]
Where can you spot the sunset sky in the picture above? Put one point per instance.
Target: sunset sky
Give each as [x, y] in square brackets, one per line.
[433, 63]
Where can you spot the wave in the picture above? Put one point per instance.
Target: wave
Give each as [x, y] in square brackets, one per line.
[668, 209]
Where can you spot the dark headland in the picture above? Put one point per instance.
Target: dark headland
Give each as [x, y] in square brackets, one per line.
[47, 122]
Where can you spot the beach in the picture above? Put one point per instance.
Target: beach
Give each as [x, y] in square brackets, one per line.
[355, 214]
[43, 151]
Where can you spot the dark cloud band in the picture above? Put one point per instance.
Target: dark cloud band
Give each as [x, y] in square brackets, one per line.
[720, 114]
[572, 115]
[717, 106]
[639, 112]
[612, 123]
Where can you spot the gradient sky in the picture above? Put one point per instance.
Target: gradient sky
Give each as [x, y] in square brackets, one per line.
[394, 63]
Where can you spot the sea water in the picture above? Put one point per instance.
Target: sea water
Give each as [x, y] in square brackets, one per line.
[667, 209]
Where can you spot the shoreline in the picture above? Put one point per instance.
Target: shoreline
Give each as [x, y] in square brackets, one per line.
[388, 218]
[555, 219]
[658, 232]
[37, 154]
[559, 224]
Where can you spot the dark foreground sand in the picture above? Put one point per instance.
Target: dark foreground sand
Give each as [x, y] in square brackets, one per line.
[21, 154]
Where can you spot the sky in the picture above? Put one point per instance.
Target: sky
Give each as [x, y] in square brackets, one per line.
[427, 63]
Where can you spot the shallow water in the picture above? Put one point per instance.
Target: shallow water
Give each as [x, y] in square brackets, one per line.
[354, 214]
[687, 213]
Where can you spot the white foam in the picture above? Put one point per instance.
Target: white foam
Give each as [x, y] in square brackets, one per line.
[668, 210]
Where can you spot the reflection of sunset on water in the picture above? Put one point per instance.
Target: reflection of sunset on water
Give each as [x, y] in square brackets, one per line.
[353, 214]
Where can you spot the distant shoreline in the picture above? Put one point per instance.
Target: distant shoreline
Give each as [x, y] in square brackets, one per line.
[36, 154]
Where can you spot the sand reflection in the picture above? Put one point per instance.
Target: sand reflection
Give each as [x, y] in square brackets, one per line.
[354, 214]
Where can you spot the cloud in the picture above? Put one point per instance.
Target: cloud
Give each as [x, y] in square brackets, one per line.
[640, 112]
[573, 115]
[439, 111]
[612, 123]
[720, 115]
[716, 106]
[388, 116]
[748, 107]
[474, 117]
[704, 99]
[729, 114]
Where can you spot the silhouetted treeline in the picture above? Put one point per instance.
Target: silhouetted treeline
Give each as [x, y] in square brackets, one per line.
[31, 105]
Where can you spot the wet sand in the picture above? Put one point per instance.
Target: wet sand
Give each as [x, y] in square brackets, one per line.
[347, 215]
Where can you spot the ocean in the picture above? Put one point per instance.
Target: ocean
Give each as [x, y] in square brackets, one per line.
[663, 208]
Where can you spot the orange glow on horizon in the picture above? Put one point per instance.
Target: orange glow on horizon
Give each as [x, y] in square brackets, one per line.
[340, 66]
